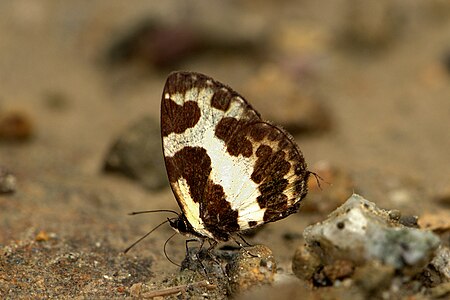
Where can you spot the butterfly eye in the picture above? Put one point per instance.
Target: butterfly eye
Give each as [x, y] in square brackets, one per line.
[178, 224]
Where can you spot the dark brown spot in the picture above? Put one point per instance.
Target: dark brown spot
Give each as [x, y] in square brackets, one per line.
[182, 82]
[252, 223]
[283, 143]
[194, 165]
[273, 135]
[259, 131]
[234, 133]
[273, 199]
[269, 166]
[222, 98]
[176, 118]
[340, 225]
[263, 151]
[216, 212]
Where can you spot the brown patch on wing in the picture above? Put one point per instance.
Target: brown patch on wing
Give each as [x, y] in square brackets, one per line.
[194, 165]
[216, 212]
[270, 166]
[177, 118]
[279, 167]
[181, 82]
[222, 98]
[235, 135]
[252, 223]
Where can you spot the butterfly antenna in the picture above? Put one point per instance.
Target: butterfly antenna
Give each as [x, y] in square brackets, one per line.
[152, 211]
[146, 235]
[318, 179]
[165, 252]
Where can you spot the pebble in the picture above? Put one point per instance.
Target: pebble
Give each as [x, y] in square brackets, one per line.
[441, 263]
[15, 126]
[7, 181]
[42, 236]
[305, 263]
[359, 231]
[339, 270]
[137, 154]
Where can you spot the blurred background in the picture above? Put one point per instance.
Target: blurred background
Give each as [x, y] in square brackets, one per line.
[364, 87]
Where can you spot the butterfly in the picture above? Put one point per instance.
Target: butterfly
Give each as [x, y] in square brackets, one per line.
[229, 169]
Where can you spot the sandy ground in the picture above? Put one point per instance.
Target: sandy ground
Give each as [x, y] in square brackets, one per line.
[381, 72]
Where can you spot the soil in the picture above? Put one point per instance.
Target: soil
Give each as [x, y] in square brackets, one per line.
[75, 74]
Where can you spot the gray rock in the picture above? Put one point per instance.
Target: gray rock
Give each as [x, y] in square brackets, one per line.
[137, 154]
[441, 263]
[359, 231]
[7, 181]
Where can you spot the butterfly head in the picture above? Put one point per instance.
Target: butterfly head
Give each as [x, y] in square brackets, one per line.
[180, 224]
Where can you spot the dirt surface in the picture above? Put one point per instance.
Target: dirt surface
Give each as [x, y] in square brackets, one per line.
[75, 74]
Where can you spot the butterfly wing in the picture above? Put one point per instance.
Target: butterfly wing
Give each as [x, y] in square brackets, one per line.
[229, 170]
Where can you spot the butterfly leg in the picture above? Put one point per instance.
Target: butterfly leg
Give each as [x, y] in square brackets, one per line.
[212, 245]
[242, 238]
[243, 247]
[189, 241]
[196, 256]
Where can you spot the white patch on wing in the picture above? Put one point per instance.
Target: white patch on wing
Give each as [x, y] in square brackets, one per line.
[191, 209]
[231, 172]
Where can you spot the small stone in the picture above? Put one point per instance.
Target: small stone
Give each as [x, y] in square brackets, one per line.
[253, 266]
[409, 221]
[441, 263]
[135, 289]
[395, 215]
[359, 231]
[137, 155]
[15, 126]
[305, 263]
[7, 181]
[42, 236]
[339, 270]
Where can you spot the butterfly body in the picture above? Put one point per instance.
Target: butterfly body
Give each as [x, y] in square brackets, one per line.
[229, 169]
